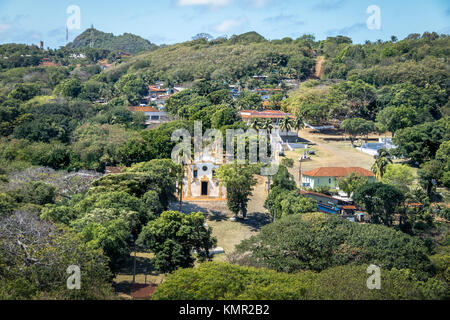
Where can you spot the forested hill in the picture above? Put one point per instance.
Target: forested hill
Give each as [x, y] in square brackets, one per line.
[230, 60]
[127, 42]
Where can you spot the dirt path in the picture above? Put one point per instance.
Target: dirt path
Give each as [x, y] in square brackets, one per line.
[319, 65]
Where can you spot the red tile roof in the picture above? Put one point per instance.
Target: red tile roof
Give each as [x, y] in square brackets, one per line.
[337, 172]
[273, 114]
[143, 109]
[156, 89]
[48, 64]
[410, 204]
[268, 90]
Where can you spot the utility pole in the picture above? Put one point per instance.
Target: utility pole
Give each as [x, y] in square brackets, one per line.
[300, 173]
[91, 44]
[134, 262]
[181, 185]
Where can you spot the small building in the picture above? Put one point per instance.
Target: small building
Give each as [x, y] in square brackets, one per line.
[160, 101]
[235, 90]
[275, 115]
[374, 148]
[178, 88]
[321, 198]
[46, 62]
[336, 206]
[155, 117]
[291, 83]
[77, 56]
[201, 182]
[122, 54]
[260, 78]
[325, 203]
[329, 176]
[155, 91]
[267, 93]
[105, 65]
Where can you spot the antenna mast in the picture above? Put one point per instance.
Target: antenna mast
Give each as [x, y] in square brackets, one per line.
[91, 44]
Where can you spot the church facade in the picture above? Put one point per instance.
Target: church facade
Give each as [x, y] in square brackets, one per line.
[201, 182]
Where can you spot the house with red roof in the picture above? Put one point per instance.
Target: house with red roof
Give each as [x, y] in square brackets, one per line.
[154, 91]
[329, 176]
[155, 117]
[46, 62]
[275, 115]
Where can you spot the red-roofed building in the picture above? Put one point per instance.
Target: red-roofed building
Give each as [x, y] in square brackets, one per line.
[329, 176]
[275, 115]
[105, 65]
[155, 116]
[336, 206]
[155, 91]
[46, 62]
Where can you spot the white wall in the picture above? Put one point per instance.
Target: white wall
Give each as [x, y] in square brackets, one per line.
[196, 183]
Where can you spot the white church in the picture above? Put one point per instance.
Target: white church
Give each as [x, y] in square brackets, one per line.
[201, 182]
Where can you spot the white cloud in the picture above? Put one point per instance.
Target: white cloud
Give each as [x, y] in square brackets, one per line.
[229, 24]
[212, 3]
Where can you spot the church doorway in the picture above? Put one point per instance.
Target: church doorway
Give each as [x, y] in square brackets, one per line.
[204, 188]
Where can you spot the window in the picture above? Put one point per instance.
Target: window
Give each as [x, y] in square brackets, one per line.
[329, 181]
[205, 168]
[195, 173]
[155, 117]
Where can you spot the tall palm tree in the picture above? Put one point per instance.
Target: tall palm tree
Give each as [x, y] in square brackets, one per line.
[267, 125]
[256, 124]
[299, 124]
[379, 167]
[286, 124]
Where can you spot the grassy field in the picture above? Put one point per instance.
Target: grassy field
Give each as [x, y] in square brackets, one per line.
[332, 150]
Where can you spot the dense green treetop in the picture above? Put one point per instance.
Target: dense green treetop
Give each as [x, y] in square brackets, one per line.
[319, 241]
[127, 42]
[223, 281]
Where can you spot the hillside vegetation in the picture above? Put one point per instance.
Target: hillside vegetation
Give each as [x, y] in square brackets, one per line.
[127, 42]
[228, 60]
[64, 120]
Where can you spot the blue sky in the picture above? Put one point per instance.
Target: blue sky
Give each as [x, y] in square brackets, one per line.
[172, 21]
